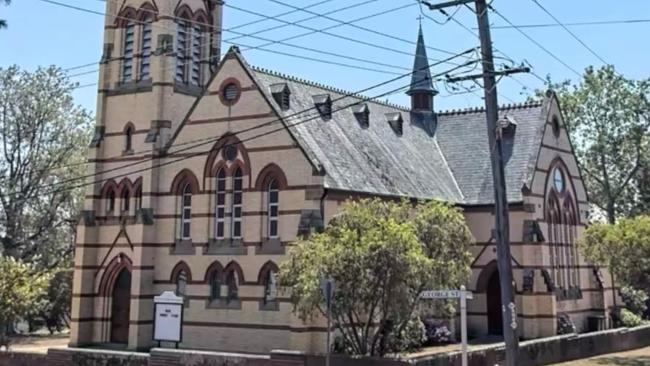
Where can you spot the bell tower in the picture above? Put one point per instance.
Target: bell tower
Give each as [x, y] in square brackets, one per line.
[158, 56]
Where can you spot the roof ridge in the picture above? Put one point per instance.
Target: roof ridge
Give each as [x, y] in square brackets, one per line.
[509, 106]
[330, 88]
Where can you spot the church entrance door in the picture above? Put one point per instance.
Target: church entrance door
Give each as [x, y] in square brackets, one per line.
[494, 311]
[121, 307]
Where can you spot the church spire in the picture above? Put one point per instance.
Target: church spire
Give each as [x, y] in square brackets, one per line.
[421, 90]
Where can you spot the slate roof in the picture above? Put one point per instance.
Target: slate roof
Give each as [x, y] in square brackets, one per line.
[421, 78]
[447, 159]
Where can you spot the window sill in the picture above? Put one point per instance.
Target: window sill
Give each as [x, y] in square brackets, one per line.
[127, 152]
[271, 246]
[224, 304]
[187, 89]
[226, 246]
[573, 293]
[183, 247]
[269, 305]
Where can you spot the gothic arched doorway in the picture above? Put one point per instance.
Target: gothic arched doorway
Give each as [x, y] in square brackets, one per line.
[121, 306]
[494, 310]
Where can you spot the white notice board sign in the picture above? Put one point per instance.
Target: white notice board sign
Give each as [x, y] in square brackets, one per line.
[168, 318]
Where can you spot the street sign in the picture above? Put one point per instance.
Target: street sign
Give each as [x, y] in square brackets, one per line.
[445, 294]
[463, 295]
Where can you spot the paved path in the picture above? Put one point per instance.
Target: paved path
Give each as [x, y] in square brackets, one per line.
[638, 357]
[39, 344]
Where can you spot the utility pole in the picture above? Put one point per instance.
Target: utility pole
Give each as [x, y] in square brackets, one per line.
[502, 227]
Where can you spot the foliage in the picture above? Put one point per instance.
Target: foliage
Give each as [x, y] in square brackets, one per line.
[42, 136]
[624, 248]
[635, 300]
[436, 332]
[381, 255]
[629, 319]
[565, 324]
[3, 23]
[608, 119]
[52, 310]
[411, 337]
[21, 285]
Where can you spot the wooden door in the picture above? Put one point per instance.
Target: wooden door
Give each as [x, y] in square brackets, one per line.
[121, 307]
[494, 311]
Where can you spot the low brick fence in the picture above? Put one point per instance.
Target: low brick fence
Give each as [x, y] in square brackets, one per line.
[532, 353]
[551, 350]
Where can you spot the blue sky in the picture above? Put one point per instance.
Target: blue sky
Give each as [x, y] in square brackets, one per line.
[45, 34]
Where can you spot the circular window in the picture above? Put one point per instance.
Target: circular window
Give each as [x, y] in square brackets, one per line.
[231, 93]
[555, 122]
[230, 152]
[558, 180]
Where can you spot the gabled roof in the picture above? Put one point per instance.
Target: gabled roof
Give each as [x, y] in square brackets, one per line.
[442, 156]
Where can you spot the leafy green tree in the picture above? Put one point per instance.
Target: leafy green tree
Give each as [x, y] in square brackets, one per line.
[52, 309]
[3, 23]
[20, 287]
[608, 119]
[624, 248]
[381, 255]
[42, 135]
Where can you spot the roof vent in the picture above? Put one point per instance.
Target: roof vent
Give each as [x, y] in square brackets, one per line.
[362, 114]
[323, 104]
[507, 126]
[281, 93]
[395, 121]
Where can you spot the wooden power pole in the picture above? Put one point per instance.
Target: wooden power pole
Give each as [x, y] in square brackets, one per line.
[502, 227]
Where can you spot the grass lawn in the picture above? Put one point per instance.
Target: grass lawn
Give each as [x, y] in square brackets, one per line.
[639, 357]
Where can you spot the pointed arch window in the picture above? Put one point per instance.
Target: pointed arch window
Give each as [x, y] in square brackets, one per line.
[183, 31]
[128, 139]
[220, 202]
[215, 286]
[237, 193]
[270, 287]
[126, 200]
[196, 54]
[110, 201]
[145, 46]
[181, 283]
[232, 283]
[273, 203]
[186, 212]
[138, 198]
[129, 46]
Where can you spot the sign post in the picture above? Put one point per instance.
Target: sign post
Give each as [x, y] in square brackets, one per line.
[463, 295]
[327, 288]
[168, 318]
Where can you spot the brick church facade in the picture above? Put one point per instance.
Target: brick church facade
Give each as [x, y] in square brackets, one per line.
[207, 169]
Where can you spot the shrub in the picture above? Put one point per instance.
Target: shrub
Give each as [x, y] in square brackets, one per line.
[635, 300]
[436, 332]
[565, 324]
[629, 319]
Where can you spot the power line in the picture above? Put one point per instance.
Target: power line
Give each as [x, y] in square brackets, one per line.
[229, 40]
[573, 24]
[570, 32]
[214, 140]
[359, 27]
[558, 59]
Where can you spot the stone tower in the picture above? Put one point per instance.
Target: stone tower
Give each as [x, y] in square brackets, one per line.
[157, 58]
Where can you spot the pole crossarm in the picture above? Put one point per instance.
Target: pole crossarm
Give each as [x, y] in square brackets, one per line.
[446, 4]
[507, 72]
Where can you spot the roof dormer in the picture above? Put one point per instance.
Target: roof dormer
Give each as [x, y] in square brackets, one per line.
[282, 95]
[323, 104]
[395, 121]
[362, 114]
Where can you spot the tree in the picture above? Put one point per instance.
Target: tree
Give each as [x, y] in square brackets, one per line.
[20, 287]
[624, 248]
[381, 255]
[52, 309]
[42, 136]
[3, 23]
[608, 119]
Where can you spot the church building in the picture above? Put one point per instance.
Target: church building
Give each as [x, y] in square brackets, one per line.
[206, 169]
